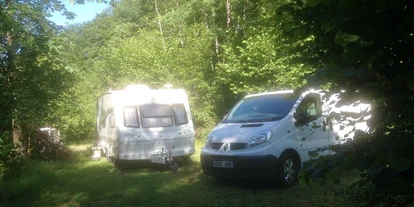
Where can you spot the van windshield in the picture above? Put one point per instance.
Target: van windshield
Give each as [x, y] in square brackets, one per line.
[263, 108]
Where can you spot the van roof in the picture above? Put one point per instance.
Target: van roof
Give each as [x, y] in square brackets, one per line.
[270, 93]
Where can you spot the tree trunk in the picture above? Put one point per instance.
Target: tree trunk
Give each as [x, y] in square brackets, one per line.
[11, 70]
[228, 14]
[159, 23]
[17, 137]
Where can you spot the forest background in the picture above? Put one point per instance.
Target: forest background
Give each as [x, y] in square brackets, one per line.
[218, 51]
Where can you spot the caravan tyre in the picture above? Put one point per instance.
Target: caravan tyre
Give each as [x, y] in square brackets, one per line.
[287, 170]
[107, 157]
[120, 164]
[174, 166]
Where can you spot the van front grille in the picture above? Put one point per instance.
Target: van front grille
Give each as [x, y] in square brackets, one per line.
[233, 146]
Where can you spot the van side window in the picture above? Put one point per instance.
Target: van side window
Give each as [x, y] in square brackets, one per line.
[131, 117]
[308, 110]
[180, 117]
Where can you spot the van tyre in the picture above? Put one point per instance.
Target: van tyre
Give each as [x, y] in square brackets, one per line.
[287, 170]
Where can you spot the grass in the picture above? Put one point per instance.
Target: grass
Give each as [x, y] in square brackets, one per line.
[85, 182]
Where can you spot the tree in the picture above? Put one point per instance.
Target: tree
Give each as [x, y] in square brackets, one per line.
[365, 46]
[30, 75]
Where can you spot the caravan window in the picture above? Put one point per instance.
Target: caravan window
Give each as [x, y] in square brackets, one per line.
[180, 117]
[131, 117]
[156, 115]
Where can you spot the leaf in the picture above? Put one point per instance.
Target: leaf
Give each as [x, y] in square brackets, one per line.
[343, 39]
[333, 177]
[304, 181]
[352, 54]
[375, 169]
[312, 3]
[367, 44]
[398, 162]
[316, 126]
[346, 3]
[326, 2]
[322, 182]
[313, 154]
[298, 33]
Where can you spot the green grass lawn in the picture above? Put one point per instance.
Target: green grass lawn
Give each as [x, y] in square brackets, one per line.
[85, 182]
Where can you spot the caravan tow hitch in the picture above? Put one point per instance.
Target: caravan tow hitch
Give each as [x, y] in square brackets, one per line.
[165, 157]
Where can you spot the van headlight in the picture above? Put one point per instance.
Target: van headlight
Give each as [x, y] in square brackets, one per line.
[209, 139]
[259, 138]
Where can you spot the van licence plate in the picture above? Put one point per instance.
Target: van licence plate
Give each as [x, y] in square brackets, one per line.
[223, 164]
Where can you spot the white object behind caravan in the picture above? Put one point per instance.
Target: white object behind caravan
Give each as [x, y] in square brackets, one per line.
[141, 124]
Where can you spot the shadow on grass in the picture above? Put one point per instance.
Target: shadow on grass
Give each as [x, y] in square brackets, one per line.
[83, 182]
[146, 164]
[246, 183]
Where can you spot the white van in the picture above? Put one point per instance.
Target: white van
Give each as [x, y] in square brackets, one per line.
[270, 135]
[143, 124]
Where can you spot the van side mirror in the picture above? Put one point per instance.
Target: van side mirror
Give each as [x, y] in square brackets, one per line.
[301, 118]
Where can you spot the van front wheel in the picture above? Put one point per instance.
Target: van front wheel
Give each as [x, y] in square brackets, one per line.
[287, 170]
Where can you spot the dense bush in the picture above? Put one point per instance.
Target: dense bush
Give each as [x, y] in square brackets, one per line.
[9, 160]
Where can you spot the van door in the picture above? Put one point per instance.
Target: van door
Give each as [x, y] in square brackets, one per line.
[310, 127]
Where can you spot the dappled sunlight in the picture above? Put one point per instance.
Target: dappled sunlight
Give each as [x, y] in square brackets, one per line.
[99, 183]
[76, 199]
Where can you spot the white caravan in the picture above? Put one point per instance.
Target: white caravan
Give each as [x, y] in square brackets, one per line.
[271, 135]
[143, 124]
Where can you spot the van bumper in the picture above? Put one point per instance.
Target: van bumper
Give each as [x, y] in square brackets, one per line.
[257, 167]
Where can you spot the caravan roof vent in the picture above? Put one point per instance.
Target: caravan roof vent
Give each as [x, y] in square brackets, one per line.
[168, 86]
[137, 87]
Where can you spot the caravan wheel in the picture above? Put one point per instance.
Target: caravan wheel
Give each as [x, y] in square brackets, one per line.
[174, 166]
[107, 157]
[120, 164]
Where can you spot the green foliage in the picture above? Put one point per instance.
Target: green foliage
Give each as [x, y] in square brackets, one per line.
[185, 44]
[364, 46]
[259, 65]
[9, 161]
[31, 76]
[28, 185]
[344, 39]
